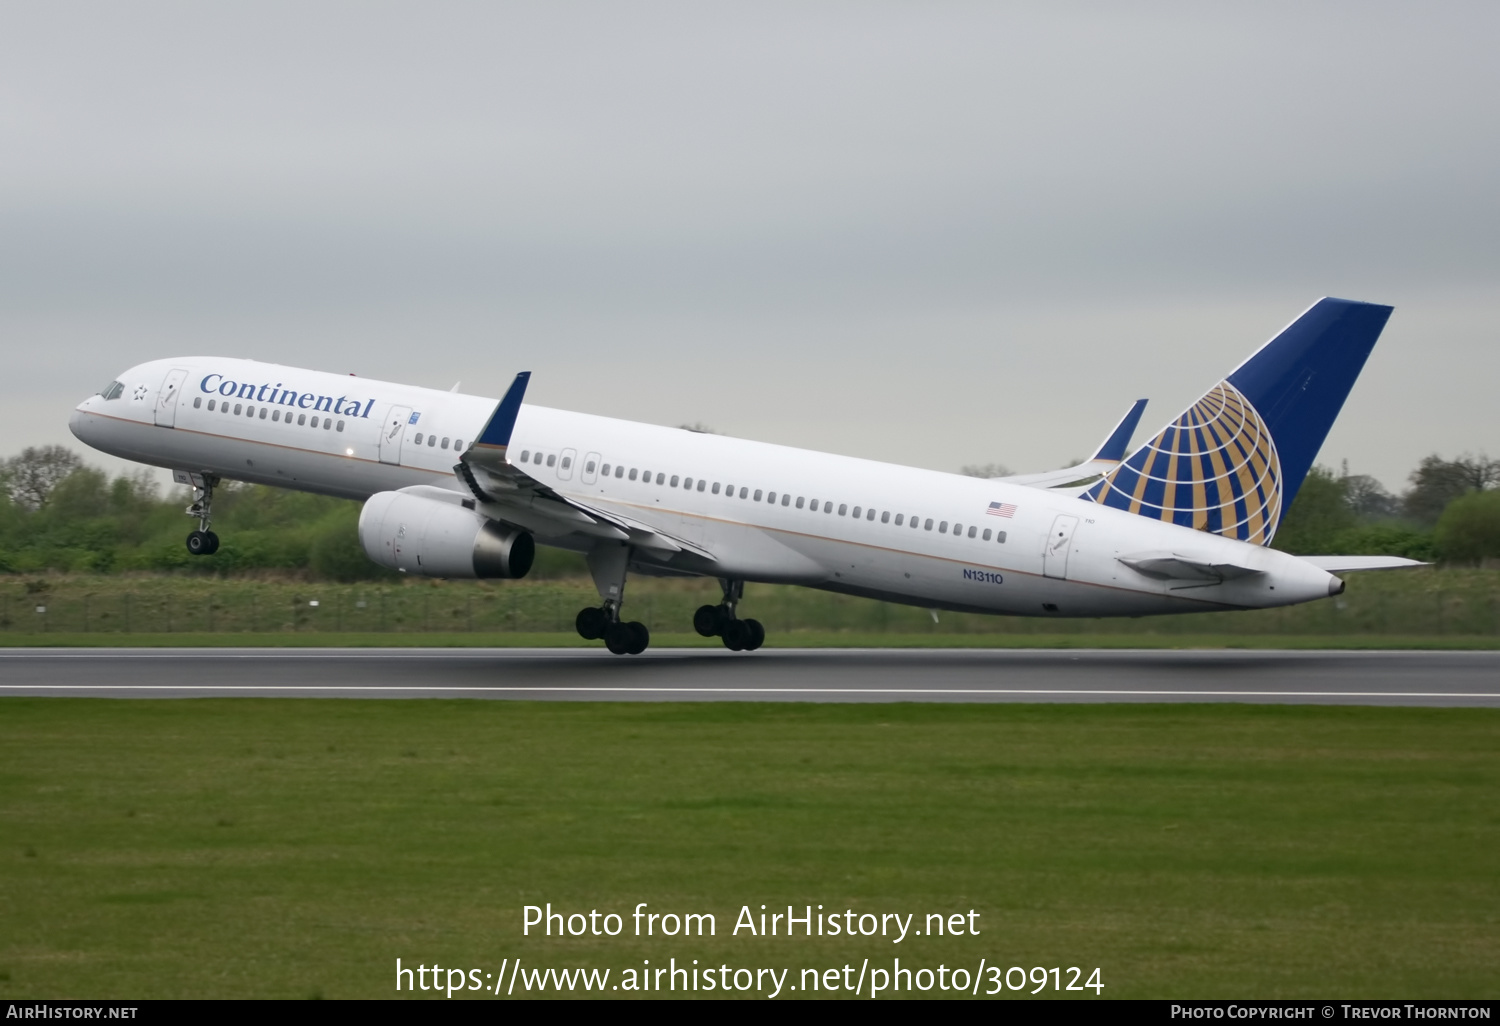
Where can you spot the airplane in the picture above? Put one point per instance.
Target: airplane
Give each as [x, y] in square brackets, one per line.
[461, 486]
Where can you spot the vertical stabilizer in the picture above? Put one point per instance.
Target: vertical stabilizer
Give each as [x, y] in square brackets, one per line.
[1233, 462]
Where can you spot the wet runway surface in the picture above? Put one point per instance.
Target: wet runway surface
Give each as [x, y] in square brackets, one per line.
[814, 675]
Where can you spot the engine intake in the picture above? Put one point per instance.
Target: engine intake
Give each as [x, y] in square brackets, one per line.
[437, 536]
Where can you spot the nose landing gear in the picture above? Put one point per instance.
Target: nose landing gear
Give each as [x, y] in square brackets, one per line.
[201, 542]
[720, 621]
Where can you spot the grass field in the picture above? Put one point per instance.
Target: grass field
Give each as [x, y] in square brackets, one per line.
[1424, 604]
[233, 848]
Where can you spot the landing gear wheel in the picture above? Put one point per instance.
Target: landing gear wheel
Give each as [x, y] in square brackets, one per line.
[706, 621]
[736, 635]
[640, 637]
[202, 543]
[620, 638]
[591, 623]
[755, 635]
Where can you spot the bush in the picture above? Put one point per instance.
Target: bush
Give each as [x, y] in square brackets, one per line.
[1469, 529]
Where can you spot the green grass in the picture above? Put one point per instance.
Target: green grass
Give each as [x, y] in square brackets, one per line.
[1428, 603]
[790, 639]
[238, 848]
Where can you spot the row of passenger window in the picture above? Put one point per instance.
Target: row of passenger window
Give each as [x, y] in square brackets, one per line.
[240, 409]
[915, 521]
[432, 440]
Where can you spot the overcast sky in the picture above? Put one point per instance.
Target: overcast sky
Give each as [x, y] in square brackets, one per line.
[929, 233]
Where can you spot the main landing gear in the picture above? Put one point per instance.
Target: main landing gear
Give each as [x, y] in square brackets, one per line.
[607, 564]
[202, 542]
[720, 621]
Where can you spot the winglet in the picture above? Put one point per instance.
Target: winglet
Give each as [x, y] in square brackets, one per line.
[1118, 441]
[496, 434]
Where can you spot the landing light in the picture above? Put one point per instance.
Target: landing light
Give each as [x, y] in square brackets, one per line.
[348, 452]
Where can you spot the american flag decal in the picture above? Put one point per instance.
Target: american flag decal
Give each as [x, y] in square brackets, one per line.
[1002, 509]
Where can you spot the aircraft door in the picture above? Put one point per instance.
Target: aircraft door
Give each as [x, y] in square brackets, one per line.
[590, 468]
[565, 463]
[167, 396]
[392, 433]
[1059, 545]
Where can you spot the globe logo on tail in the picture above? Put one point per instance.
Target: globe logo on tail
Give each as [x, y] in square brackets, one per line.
[1214, 469]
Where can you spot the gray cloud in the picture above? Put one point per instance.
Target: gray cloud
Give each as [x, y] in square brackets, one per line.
[938, 234]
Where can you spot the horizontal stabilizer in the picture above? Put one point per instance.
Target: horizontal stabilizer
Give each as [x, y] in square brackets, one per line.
[1181, 568]
[1348, 564]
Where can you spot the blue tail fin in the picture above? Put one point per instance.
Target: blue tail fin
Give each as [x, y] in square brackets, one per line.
[1232, 464]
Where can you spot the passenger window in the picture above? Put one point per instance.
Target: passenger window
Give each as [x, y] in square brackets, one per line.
[928, 525]
[744, 492]
[899, 518]
[716, 488]
[525, 455]
[603, 470]
[986, 535]
[567, 462]
[431, 441]
[197, 402]
[687, 484]
[958, 528]
[701, 484]
[341, 426]
[661, 478]
[885, 517]
[552, 460]
[674, 481]
[445, 443]
[419, 438]
[327, 423]
[263, 417]
[971, 530]
[236, 409]
[857, 512]
[771, 498]
[916, 523]
[620, 471]
[842, 508]
[313, 422]
[799, 502]
[786, 498]
[757, 495]
[632, 473]
[870, 514]
[1000, 537]
[943, 527]
[813, 505]
[250, 411]
[210, 405]
[301, 419]
[827, 507]
[458, 443]
[275, 416]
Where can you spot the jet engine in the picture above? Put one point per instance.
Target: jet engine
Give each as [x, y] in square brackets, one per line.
[434, 533]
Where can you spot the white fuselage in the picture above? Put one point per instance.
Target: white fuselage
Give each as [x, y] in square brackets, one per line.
[1059, 557]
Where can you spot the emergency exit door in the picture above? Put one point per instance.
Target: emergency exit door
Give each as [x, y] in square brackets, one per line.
[1059, 545]
[392, 433]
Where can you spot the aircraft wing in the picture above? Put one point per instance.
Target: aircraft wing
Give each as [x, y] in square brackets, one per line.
[1108, 456]
[1348, 564]
[507, 493]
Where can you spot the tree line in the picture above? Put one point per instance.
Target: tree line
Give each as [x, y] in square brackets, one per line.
[57, 513]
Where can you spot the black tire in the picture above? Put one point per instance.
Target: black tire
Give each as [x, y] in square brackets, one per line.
[618, 638]
[706, 621]
[213, 543]
[735, 635]
[198, 544]
[591, 623]
[640, 637]
[757, 635]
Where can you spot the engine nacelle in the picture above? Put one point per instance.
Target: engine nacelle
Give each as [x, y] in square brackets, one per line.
[435, 535]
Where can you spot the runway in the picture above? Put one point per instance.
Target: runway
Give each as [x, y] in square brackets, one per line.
[1404, 678]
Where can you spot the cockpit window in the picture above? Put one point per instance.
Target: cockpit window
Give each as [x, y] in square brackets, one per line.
[113, 390]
